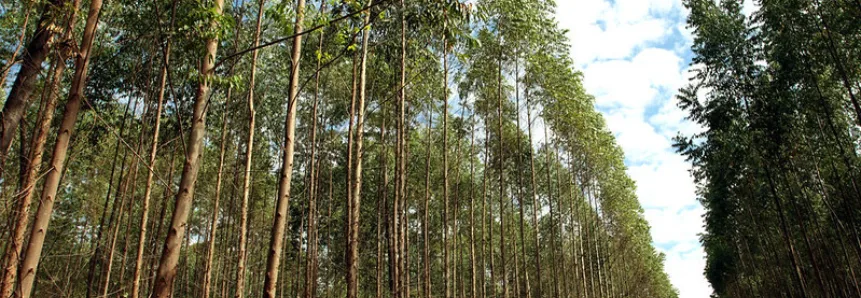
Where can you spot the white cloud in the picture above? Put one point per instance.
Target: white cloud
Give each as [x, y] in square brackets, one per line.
[633, 83]
[612, 31]
[630, 52]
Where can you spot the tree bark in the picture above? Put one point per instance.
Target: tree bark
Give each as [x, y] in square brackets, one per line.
[172, 246]
[311, 260]
[426, 209]
[535, 203]
[151, 171]
[445, 194]
[276, 240]
[501, 168]
[24, 196]
[249, 153]
[58, 158]
[353, 261]
[31, 66]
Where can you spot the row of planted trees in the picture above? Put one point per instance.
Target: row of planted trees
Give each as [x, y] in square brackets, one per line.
[376, 149]
[777, 162]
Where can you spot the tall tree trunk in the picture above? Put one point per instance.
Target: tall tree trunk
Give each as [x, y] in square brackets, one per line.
[535, 203]
[426, 208]
[213, 228]
[273, 261]
[249, 153]
[172, 245]
[382, 201]
[353, 260]
[400, 160]
[24, 196]
[502, 186]
[445, 194]
[472, 240]
[151, 171]
[553, 244]
[486, 236]
[31, 66]
[521, 193]
[124, 197]
[311, 260]
[350, 149]
[58, 158]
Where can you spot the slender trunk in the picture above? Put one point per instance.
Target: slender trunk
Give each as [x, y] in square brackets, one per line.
[472, 158]
[249, 152]
[329, 238]
[172, 245]
[501, 168]
[445, 194]
[520, 183]
[311, 260]
[486, 236]
[353, 260]
[274, 259]
[95, 259]
[125, 196]
[213, 228]
[426, 208]
[455, 225]
[165, 199]
[400, 160]
[350, 149]
[382, 201]
[552, 217]
[31, 66]
[150, 173]
[535, 203]
[58, 158]
[24, 196]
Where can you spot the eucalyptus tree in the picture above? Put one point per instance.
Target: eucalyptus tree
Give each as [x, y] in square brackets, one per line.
[451, 215]
[768, 87]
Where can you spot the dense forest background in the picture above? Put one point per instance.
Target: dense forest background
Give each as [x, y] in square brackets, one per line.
[376, 148]
[777, 164]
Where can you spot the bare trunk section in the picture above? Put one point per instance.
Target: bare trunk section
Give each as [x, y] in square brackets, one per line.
[31, 66]
[382, 201]
[353, 260]
[172, 245]
[58, 159]
[426, 211]
[400, 159]
[445, 194]
[24, 196]
[526, 286]
[273, 260]
[535, 203]
[472, 157]
[213, 228]
[501, 157]
[151, 171]
[249, 153]
[311, 259]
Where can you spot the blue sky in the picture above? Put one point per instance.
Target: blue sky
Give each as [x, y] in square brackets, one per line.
[634, 55]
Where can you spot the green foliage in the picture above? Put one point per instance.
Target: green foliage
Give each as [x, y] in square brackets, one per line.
[776, 162]
[506, 58]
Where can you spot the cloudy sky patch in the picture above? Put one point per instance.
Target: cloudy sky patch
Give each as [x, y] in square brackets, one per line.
[635, 55]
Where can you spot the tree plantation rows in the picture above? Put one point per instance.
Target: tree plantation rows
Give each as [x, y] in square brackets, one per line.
[777, 163]
[378, 148]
